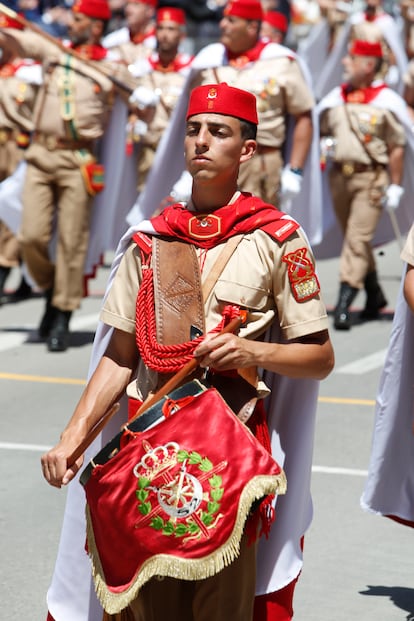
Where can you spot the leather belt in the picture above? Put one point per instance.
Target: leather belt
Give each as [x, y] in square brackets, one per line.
[349, 168]
[52, 142]
[262, 149]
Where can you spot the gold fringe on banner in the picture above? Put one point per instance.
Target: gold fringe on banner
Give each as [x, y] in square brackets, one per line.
[177, 567]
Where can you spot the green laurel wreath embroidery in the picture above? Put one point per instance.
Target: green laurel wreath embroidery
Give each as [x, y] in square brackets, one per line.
[169, 527]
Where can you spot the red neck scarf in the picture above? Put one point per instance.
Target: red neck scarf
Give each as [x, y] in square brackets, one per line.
[360, 95]
[141, 36]
[240, 60]
[91, 52]
[179, 62]
[246, 214]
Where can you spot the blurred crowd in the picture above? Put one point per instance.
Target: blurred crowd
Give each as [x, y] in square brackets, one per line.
[88, 91]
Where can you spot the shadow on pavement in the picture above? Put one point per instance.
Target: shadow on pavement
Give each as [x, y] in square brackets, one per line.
[400, 596]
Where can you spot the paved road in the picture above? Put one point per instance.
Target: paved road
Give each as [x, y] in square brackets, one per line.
[357, 566]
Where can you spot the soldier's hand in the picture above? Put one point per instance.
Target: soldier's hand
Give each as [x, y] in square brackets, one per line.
[290, 183]
[225, 352]
[393, 195]
[55, 465]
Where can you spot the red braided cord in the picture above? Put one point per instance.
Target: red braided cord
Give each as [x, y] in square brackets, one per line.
[158, 357]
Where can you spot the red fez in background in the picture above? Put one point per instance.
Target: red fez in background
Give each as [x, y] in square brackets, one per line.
[170, 14]
[223, 99]
[276, 20]
[365, 48]
[9, 22]
[96, 9]
[152, 3]
[247, 9]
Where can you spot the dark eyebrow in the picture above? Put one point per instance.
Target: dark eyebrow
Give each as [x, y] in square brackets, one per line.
[211, 124]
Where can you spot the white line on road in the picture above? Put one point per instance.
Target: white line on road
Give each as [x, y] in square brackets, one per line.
[11, 339]
[11, 446]
[364, 365]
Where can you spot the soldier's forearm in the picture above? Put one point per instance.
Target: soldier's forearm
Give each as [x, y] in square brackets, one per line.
[302, 138]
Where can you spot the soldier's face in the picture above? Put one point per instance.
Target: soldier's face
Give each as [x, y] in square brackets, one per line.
[356, 69]
[138, 15]
[237, 34]
[214, 147]
[169, 35]
[80, 29]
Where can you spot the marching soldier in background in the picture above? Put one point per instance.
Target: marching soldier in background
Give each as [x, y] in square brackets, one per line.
[19, 81]
[70, 114]
[138, 36]
[274, 27]
[361, 130]
[274, 76]
[161, 77]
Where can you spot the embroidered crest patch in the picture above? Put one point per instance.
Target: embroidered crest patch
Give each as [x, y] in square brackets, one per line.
[204, 227]
[303, 280]
[178, 491]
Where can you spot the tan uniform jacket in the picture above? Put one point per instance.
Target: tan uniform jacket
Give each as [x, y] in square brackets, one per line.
[16, 103]
[74, 97]
[375, 127]
[255, 277]
[279, 87]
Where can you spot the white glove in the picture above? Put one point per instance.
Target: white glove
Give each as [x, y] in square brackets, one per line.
[393, 195]
[143, 97]
[137, 129]
[345, 7]
[290, 183]
[181, 192]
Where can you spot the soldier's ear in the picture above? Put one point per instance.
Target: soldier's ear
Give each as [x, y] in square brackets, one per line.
[248, 150]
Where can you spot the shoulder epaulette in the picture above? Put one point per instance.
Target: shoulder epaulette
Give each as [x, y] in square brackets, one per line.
[143, 241]
[282, 229]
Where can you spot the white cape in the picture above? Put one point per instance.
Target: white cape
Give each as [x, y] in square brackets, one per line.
[291, 421]
[389, 488]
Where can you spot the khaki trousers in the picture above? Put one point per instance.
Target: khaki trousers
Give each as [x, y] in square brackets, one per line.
[357, 204]
[261, 176]
[10, 156]
[56, 205]
[227, 596]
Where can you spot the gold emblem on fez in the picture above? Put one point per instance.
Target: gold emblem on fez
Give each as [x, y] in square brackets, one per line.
[212, 93]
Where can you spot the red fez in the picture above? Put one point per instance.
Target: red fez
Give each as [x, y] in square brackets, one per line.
[223, 99]
[276, 20]
[9, 22]
[152, 3]
[170, 14]
[247, 9]
[365, 48]
[96, 9]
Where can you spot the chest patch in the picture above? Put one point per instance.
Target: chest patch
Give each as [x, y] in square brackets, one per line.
[301, 272]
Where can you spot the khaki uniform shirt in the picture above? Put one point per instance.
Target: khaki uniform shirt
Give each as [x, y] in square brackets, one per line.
[279, 87]
[169, 87]
[376, 128]
[407, 253]
[74, 97]
[16, 103]
[255, 277]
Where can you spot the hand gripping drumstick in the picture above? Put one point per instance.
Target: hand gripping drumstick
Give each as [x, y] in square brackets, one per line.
[172, 383]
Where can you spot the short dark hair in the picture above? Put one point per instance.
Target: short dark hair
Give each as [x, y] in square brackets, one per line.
[248, 130]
